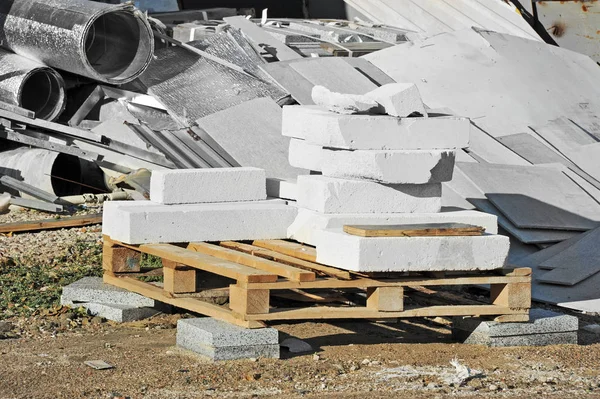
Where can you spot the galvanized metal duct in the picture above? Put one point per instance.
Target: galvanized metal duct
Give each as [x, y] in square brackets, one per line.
[31, 85]
[112, 43]
[49, 171]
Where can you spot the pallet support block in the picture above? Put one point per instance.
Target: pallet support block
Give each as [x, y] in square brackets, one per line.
[512, 295]
[245, 301]
[178, 279]
[385, 299]
[120, 260]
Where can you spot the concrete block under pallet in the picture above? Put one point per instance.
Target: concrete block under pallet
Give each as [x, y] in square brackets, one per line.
[331, 195]
[219, 340]
[118, 313]
[384, 166]
[94, 290]
[407, 254]
[544, 328]
[309, 222]
[194, 186]
[373, 132]
[198, 222]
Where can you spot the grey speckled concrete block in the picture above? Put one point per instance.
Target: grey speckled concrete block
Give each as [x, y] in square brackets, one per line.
[118, 313]
[544, 328]
[219, 340]
[93, 290]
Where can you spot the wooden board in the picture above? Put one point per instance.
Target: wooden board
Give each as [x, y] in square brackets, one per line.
[204, 262]
[288, 260]
[151, 291]
[415, 230]
[48, 224]
[242, 258]
[294, 249]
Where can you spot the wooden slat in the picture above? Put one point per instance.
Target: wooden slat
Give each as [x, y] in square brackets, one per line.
[289, 248]
[205, 262]
[193, 305]
[400, 282]
[286, 259]
[47, 224]
[242, 258]
[415, 230]
[323, 312]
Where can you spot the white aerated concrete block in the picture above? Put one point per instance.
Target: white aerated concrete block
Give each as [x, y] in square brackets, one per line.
[392, 167]
[343, 103]
[198, 222]
[406, 254]
[330, 195]
[374, 132]
[399, 99]
[196, 186]
[308, 222]
[282, 188]
[304, 155]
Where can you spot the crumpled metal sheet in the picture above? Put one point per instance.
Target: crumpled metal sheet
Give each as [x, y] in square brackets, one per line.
[191, 87]
[14, 72]
[54, 32]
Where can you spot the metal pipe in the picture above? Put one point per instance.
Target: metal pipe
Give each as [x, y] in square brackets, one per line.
[39, 168]
[31, 85]
[111, 43]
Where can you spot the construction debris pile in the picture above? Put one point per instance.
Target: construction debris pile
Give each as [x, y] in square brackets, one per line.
[102, 98]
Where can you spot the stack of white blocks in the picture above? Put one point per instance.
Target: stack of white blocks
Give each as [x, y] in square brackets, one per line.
[382, 170]
[200, 205]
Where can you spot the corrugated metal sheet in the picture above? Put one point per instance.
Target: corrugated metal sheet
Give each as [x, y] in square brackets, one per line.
[432, 17]
[572, 24]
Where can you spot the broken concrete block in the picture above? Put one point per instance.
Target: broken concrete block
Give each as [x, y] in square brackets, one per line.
[392, 167]
[195, 186]
[407, 254]
[544, 328]
[308, 222]
[331, 195]
[114, 312]
[343, 103]
[399, 99]
[198, 222]
[219, 340]
[282, 188]
[374, 132]
[94, 290]
[306, 156]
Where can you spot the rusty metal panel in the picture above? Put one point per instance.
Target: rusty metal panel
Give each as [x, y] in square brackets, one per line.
[574, 25]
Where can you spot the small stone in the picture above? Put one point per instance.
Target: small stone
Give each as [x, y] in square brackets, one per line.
[475, 383]
[295, 345]
[316, 357]
[365, 362]
[432, 385]
[97, 320]
[493, 387]
[6, 327]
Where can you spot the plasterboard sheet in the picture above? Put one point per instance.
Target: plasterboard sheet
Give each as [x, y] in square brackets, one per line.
[335, 74]
[526, 236]
[576, 263]
[250, 133]
[535, 197]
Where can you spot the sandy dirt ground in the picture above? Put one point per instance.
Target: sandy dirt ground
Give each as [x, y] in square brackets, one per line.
[351, 359]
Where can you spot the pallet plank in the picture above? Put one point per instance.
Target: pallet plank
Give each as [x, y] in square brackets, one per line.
[204, 262]
[286, 259]
[328, 312]
[289, 248]
[242, 258]
[194, 305]
[415, 230]
[47, 224]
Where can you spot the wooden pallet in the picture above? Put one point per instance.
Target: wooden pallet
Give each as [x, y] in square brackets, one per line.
[263, 268]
